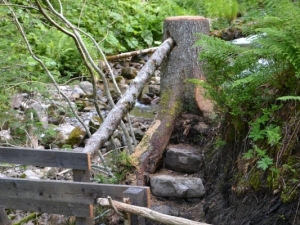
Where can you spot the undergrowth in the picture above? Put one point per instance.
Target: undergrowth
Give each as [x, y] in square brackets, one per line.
[256, 89]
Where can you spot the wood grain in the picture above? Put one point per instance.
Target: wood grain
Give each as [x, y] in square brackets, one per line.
[61, 191]
[36, 157]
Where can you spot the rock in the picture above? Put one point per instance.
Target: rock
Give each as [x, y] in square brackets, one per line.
[87, 87]
[76, 137]
[178, 187]
[145, 99]
[40, 112]
[155, 89]
[123, 87]
[95, 123]
[128, 73]
[33, 174]
[64, 131]
[165, 209]
[16, 101]
[5, 135]
[155, 80]
[182, 159]
[120, 80]
[77, 93]
[138, 133]
[155, 101]
[51, 172]
[201, 127]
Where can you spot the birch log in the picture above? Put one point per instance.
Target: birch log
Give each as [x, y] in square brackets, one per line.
[177, 94]
[148, 213]
[127, 102]
[129, 54]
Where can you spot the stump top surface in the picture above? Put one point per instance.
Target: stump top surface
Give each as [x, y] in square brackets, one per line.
[185, 18]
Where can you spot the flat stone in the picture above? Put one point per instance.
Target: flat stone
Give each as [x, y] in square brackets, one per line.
[183, 159]
[155, 89]
[165, 209]
[178, 187]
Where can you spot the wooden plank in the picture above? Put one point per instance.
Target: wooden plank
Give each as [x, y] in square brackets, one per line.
[61, 191]
[36, 157]
[136, 197]
[83, 176]
[69, 209]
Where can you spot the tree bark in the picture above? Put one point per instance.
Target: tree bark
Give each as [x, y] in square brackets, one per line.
[177, 93]
[148, 213]
[127, 102]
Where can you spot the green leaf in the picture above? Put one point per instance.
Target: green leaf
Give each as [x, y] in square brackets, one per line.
[273, 134]
[264, 163]
[132, 42]
[286, 98]
[260, 152]
[249, 154]
[256, 133]
[147, 36]
[111, 39]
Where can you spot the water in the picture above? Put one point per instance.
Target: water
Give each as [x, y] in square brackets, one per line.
[144, 111]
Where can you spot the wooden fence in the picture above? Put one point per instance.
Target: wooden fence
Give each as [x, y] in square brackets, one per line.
[62, 197]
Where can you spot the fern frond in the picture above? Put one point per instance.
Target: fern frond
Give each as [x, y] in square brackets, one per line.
[286, 98]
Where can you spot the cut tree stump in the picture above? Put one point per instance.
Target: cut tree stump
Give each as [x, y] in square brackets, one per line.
[177, 93]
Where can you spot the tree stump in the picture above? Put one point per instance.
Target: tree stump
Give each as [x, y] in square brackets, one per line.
[177, 94]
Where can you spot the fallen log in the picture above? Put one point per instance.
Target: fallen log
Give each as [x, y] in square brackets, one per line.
[148, 213]
[177, 93]
[127, 102]
[129, 54]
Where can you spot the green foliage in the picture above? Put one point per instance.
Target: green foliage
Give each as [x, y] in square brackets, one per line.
[122, 25]
[255, 89]
[286, 98]
[227, 9]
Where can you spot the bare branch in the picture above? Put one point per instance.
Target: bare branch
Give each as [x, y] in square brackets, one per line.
[21, 30]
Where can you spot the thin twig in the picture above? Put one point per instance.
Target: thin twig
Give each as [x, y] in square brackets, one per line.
[21, 30]
[86, 54]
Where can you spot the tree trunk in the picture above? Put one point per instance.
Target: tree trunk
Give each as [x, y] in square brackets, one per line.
[177, 93]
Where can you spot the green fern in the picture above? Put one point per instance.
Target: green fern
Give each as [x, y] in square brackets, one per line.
[286, 98]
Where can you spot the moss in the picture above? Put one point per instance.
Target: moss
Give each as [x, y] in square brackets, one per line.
[76, 136]
[120, 79]
[175, 108]
[289, 194]
[242, 186]
[255, 179]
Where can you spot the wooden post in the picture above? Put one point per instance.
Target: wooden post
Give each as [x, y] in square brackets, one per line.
[84, 176]
[4, 220]
[136, 197]
[177, 93]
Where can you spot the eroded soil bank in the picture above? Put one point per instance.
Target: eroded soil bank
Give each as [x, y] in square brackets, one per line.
[224, 206]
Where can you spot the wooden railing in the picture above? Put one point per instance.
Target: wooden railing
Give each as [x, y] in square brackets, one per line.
[62, 197]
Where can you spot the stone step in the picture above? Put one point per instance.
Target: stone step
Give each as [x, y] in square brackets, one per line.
[184, 158]
[177, 187]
